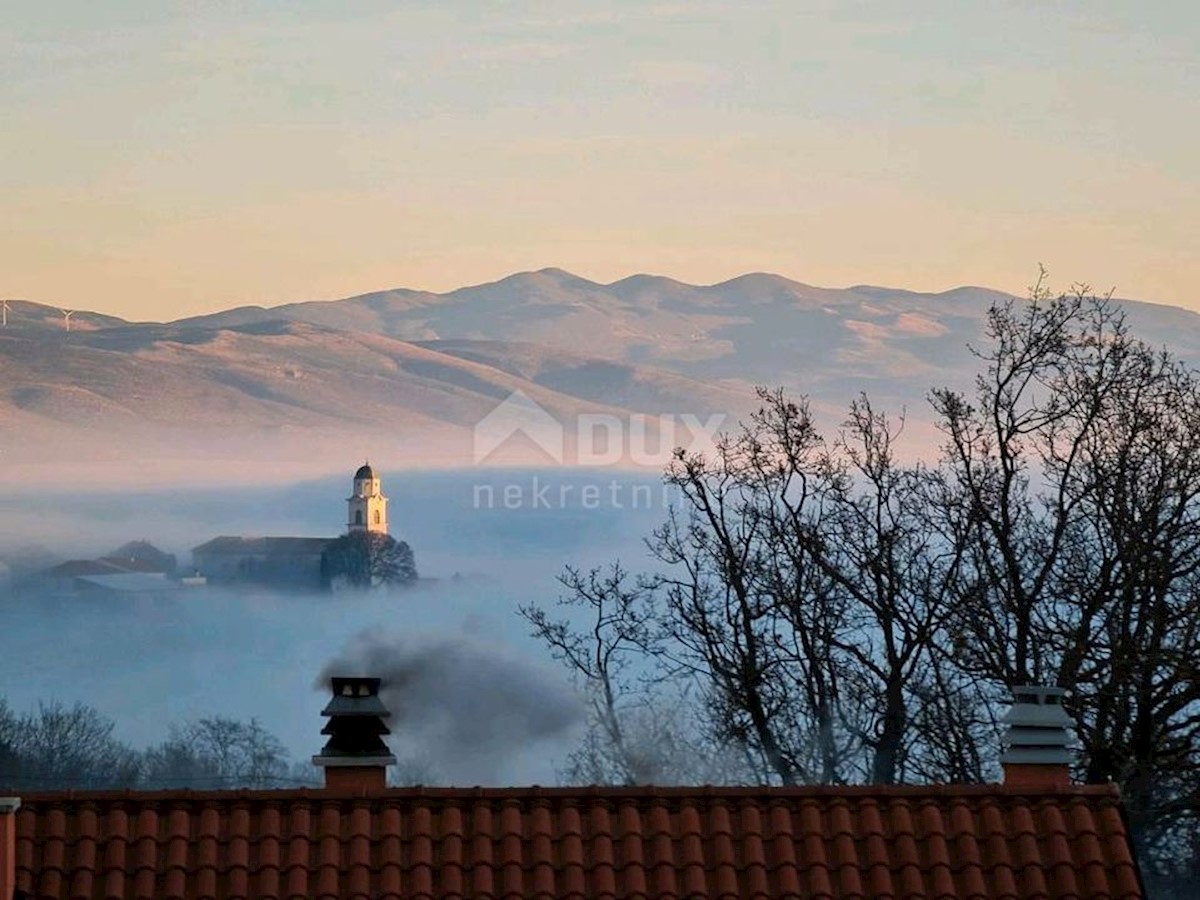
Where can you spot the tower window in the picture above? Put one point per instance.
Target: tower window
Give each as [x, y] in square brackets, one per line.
[358, 517]
[377, 517]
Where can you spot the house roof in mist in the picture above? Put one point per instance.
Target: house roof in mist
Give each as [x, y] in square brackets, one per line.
[137, 565]
[854, 842]
[131, 582]
[271, 546]
[109, 565]
[74, 568]
[141, 556]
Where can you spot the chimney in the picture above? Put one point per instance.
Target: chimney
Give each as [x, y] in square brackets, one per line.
[355, 758]
[1037, 756]
[8, 846]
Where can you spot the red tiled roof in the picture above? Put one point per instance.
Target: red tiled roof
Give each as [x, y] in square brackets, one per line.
[940, 842]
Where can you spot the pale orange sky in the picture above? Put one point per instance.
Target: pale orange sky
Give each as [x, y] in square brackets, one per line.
[160, 160]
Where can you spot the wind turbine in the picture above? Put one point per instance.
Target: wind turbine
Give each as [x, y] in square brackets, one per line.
[67, 313]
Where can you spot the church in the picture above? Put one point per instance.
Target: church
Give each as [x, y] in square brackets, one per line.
[291, 562]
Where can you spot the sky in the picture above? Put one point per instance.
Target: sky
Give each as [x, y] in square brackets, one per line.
[165, 159]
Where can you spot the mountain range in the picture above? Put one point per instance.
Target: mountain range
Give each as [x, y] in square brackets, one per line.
[404, 375]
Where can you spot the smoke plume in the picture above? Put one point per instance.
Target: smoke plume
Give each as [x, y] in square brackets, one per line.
[464, 710]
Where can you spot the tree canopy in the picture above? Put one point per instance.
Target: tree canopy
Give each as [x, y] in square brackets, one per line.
[367, 559]
[60, 747]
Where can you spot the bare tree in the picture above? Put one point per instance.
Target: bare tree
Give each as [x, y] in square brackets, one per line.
[897, 576]
[802, 595]
[10, 759]
[175, 763]
[232, 753]
[415, 768]
[367, 559]
[601, 652]
[58, 746]
[643, 727]
[845, 617]
[813, 592]
[1077, 471]
[750, 617]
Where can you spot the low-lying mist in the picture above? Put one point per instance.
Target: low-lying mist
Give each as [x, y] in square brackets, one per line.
[476, 699]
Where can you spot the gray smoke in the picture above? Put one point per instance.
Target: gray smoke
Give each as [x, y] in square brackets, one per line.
[464, 710]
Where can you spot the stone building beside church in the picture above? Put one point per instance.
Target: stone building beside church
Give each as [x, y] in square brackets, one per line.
[291, 562]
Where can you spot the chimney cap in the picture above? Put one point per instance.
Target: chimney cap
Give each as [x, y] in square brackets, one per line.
[355, 697]
[1037, 728]
[355, 685]
[355, 707]
[355, 727]
[1039, 693]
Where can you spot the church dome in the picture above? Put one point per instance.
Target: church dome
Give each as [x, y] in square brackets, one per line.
[364, 472]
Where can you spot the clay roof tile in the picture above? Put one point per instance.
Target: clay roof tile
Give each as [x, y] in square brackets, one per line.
[723, 860]
[604, 872]
[876, 857]
[844, 861]
[511, 864]
[781, 847]
[570, 845]
[937, 855]
[965, 851]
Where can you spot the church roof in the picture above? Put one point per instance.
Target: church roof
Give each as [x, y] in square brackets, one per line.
[270, 546]
[364, 471]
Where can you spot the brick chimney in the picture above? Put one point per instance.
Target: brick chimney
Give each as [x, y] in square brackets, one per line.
[1037, 754]
[8, 846]
[355, 758]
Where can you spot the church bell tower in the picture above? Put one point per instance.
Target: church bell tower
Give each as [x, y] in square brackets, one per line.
[367, 505]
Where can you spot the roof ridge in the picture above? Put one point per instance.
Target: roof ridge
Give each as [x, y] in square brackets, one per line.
[650, 792]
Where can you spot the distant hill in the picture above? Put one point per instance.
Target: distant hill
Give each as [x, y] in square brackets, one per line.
[26, 317]
[754, 328]
[400, 367]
